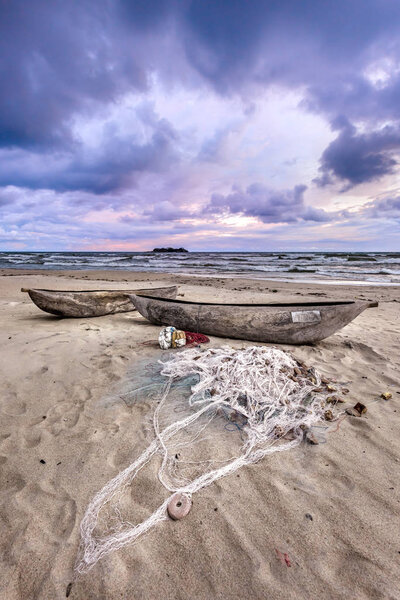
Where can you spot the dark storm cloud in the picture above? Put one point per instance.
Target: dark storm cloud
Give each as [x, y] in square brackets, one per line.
[58, 59]
[109, 166]
[320, 45]
[324, 47]
[359, 157]
[284, 206]
[63, 57]
[233, 42]
[62, 60]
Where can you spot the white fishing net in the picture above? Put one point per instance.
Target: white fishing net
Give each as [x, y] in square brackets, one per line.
[264, 395]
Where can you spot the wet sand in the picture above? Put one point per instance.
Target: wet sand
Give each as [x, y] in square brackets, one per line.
[60, 443]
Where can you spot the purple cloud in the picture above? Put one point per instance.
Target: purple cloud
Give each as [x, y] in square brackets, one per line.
[58, 60]
[77, 123]
[388, 208]
[356, 158]
[109, 166]
[77, 58]
[270, 206]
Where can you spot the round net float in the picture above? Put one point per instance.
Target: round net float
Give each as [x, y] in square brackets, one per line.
[179, 506]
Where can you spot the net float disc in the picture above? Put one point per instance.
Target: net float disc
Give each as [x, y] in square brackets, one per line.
[179, 506]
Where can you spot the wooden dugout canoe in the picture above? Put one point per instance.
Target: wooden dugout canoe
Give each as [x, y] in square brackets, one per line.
[91, 303]
[290, 323]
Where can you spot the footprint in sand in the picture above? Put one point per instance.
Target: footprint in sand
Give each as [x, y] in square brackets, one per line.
[339, 486]
[11, 405]
[10, 481]
[81, 393]
[31, 438]
[4, 437]
[52, 509]
[367, 352]
[64, 416]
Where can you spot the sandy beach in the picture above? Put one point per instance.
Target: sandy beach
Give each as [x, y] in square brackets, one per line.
[60, 443]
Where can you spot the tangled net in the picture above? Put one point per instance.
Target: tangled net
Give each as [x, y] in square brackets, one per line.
[261, 389]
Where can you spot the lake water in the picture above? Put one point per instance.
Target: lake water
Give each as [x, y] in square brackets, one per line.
[372, 267]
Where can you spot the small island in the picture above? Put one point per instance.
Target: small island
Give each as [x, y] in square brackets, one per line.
[170, 250]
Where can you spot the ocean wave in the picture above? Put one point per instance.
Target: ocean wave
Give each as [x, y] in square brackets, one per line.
[372, 266]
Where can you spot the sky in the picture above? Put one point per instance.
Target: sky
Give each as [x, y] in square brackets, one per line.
[251, 125]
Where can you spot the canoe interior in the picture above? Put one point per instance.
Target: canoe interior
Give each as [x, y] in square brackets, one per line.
[272, 304]
[83, 291]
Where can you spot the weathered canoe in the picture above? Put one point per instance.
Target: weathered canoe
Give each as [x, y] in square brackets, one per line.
[275, 323]
[91, 303]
